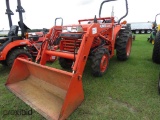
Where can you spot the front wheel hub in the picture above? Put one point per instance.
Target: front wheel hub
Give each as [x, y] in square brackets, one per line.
[104, 63]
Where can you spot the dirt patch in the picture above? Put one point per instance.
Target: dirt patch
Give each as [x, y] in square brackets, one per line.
[131, 108]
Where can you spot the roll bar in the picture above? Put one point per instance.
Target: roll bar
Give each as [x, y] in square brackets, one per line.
[9, 13]
[156, 17]
[20, 10]
[100, 9]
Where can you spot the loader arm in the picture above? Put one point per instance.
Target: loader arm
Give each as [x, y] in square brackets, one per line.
[85, 49]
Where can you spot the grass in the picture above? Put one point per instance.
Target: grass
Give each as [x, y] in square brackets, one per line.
[127, 91]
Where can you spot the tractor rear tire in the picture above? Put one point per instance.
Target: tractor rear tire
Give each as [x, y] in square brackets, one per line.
[123, 44]
[17, 53]
[156, 49]
[100, 62]
[65, 63]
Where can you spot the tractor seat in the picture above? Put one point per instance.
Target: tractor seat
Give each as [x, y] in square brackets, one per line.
[13, 31]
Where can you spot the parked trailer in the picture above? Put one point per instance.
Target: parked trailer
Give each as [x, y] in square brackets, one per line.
[141, 27]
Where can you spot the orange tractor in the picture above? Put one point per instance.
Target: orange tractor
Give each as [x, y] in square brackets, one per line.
[27, 45]
[56, 93]
[13, 45]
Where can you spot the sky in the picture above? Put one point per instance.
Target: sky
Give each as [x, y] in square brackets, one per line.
[42, 13]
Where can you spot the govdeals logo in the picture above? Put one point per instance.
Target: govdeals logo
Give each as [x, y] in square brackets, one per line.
[17, 112]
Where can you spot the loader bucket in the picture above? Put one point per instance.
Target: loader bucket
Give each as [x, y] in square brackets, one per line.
[53, 93]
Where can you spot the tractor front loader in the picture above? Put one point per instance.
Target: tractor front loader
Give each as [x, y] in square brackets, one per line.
[56, 93]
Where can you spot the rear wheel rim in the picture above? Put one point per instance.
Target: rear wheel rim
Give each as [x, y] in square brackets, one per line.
[128, 48]
[104, 63]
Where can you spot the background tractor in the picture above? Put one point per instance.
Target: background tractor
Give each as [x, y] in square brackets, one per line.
[13, 45]
[155, 28]
[156, 41]
[156, 53]
[56, 93]
[156, 48]
[27, 45]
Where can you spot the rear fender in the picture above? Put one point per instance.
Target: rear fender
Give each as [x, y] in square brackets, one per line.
[12, 45]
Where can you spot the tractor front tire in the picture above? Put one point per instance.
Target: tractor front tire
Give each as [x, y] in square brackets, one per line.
[65, 63]
[123, 44]
[17, 53]
[156, 49]
[100, 62]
